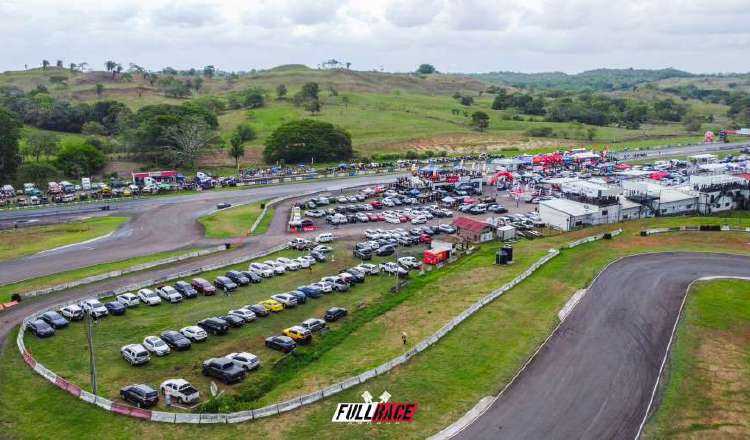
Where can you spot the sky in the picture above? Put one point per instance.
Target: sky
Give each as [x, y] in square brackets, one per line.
[393, 35]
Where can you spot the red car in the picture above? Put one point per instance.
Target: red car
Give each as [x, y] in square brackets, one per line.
[403, 218]
[372, 216]
[424, 238]
[381, 216]
[203, 286]
[377, 204]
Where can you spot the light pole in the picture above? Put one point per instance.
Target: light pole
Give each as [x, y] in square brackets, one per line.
[92, 356]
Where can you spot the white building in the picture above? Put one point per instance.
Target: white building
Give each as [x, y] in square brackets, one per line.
[663, 200]
[567, 214]
[630, 210]
[720, 192]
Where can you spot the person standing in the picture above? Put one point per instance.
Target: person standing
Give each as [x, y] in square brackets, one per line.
[403, 337]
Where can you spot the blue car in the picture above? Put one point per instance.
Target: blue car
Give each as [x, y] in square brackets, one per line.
[311, 291]
[301, 297]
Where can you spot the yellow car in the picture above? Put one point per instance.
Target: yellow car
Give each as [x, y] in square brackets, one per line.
[298, 333]
[272, 305]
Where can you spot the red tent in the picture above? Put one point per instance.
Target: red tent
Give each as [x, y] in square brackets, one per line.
[658, 175]
[623, 166]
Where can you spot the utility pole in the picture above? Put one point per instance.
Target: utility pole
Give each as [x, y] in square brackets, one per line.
[92, 357]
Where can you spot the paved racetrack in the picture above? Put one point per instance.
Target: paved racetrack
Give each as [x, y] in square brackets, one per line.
[594, 377]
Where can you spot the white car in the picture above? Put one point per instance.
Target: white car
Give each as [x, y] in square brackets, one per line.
[94, 308]
[392, 268]
[261, 269]
[155, 345]
[315, 213]
[409, 262]
[325, 286]
[179, 390]
[245, 360]
[72, 312]
[418, 220]
[371, 235]
[392, 219]
[170, 294]
[278, 268]
[194, 333]
[286, 299]
[135, 354]
[305, 261]
[288, 264]
[128, 300]
[324, 238]
[245, 314]
[148, 297]
[369, 269]
[322, 248]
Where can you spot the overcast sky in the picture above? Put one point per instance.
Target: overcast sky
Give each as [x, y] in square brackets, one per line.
[397, 35]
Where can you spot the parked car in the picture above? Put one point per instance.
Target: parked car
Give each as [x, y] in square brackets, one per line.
[94, 308]
[385, 251]
[281, 343]
[324, 238]
[244, 360]
[140, 395]
[288, 300]
[369, 269]
[115, 308]
[362, 254]
[299, 295]
[289, 265]
[322, 248]
[40, 328]
[311, 291]
[128, 300]
[72, 312]
[54, 319]
[232, 320]
[223, 369]
[214, 326]
[135, 354]
[258, 309]
[175, 340]
[252, 276]
[319, 256]
[299, 334]
[313, 324]
[156, 345]
[245, 314]
[447, 229]
[304, 262]
[237, 278]
[180, 390]
[186, 290]
[272, 305]
[203, 286]
[194, 333]
[225, 284]
[149, 297]
[261, 269]
[409, 262]
[334, 314]
[169, 294]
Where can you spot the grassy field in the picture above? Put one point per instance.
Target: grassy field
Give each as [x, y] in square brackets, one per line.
[469, 363]
[707, 386]
[16, 243]
[235, 221]
[7, 290]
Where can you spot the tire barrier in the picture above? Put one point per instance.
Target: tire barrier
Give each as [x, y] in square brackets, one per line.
[701, 228]
[291, 404]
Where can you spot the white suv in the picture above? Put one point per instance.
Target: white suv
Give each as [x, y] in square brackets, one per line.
[94, 308]
[288, 264]
[148, 297]
[170, 294]
[194, 333]
[286, 299]
[261, 269]
[135, 354]
[278, 268]
[245, 360]
[128, 300]
[155, 345]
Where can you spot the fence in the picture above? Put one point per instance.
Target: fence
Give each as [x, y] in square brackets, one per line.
[704, 228]
[305, 399]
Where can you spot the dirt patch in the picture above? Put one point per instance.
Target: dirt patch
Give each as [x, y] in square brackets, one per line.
[475, 142]
[123, 168]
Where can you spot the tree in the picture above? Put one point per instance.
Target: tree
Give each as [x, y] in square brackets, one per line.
[110, 65]
[236, 149]
[307, 139]
[480, 120]
[693, 122]
[189, 140]
[310, 90]
[39, 173]
[197, 83]
[10, 133]
[40, 143]
[45, 64]
[348, 65]
[426, 69]
[59, 64]
[117, 69]
[313, 106]
[94, 128]
[281, 91]
[209, 71]
[99, 89]
[466, 100]
[72, 67]
[78, 159]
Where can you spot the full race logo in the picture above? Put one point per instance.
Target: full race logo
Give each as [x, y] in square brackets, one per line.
[375, 412]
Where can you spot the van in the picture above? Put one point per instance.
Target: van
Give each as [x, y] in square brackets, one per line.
[324, 238]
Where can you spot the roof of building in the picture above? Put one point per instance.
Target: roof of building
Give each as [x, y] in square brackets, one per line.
[570, 207]
[626, 203]
[470, 224]
[672, 195]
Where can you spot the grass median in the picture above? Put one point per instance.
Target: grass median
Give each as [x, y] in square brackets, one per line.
[17, 243]
[475, 360]
[236, 221]
[707, 385]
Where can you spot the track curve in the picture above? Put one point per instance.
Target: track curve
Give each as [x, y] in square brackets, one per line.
[594, 378]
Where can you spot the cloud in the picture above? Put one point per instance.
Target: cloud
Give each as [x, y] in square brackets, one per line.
[411, 14]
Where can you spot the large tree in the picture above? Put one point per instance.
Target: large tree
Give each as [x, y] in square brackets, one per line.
[189, 140]
[77, 159]
[426, 69]
[242, 134]
[306, 140]
[480, 120]
[10, 133]
[40, 143]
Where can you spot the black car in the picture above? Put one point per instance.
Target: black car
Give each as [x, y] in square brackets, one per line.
[259, 310]
[115, 308]
[281, 343]
[233, 320]
[319, 256]
[214, 326]
[386, 250]
[223, 205]
[176, 340]
[225, 284]
[40, 328]
[301, 297]
[54, 319]
[238, 277]
[351, 218]
[223, 369]
[405, 241]
[362, 253]
[252, 276]
[334, 314]
[141, 395]
[311, 291]
[186, 290]
[357, 276]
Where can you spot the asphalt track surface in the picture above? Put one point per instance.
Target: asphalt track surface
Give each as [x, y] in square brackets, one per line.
[157, 224]
[595, 376]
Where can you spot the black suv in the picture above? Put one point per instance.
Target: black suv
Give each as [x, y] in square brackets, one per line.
[54, 319]
[141, 395]
[225, 284]
[362, 254]
[223, 369]
[40, 329]
[186, 290]
[334, 314]
[252, 276]
[238, 277]
[281, 343]
[176, 340]
[386, 250]
[233, 320]
[214, 326]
